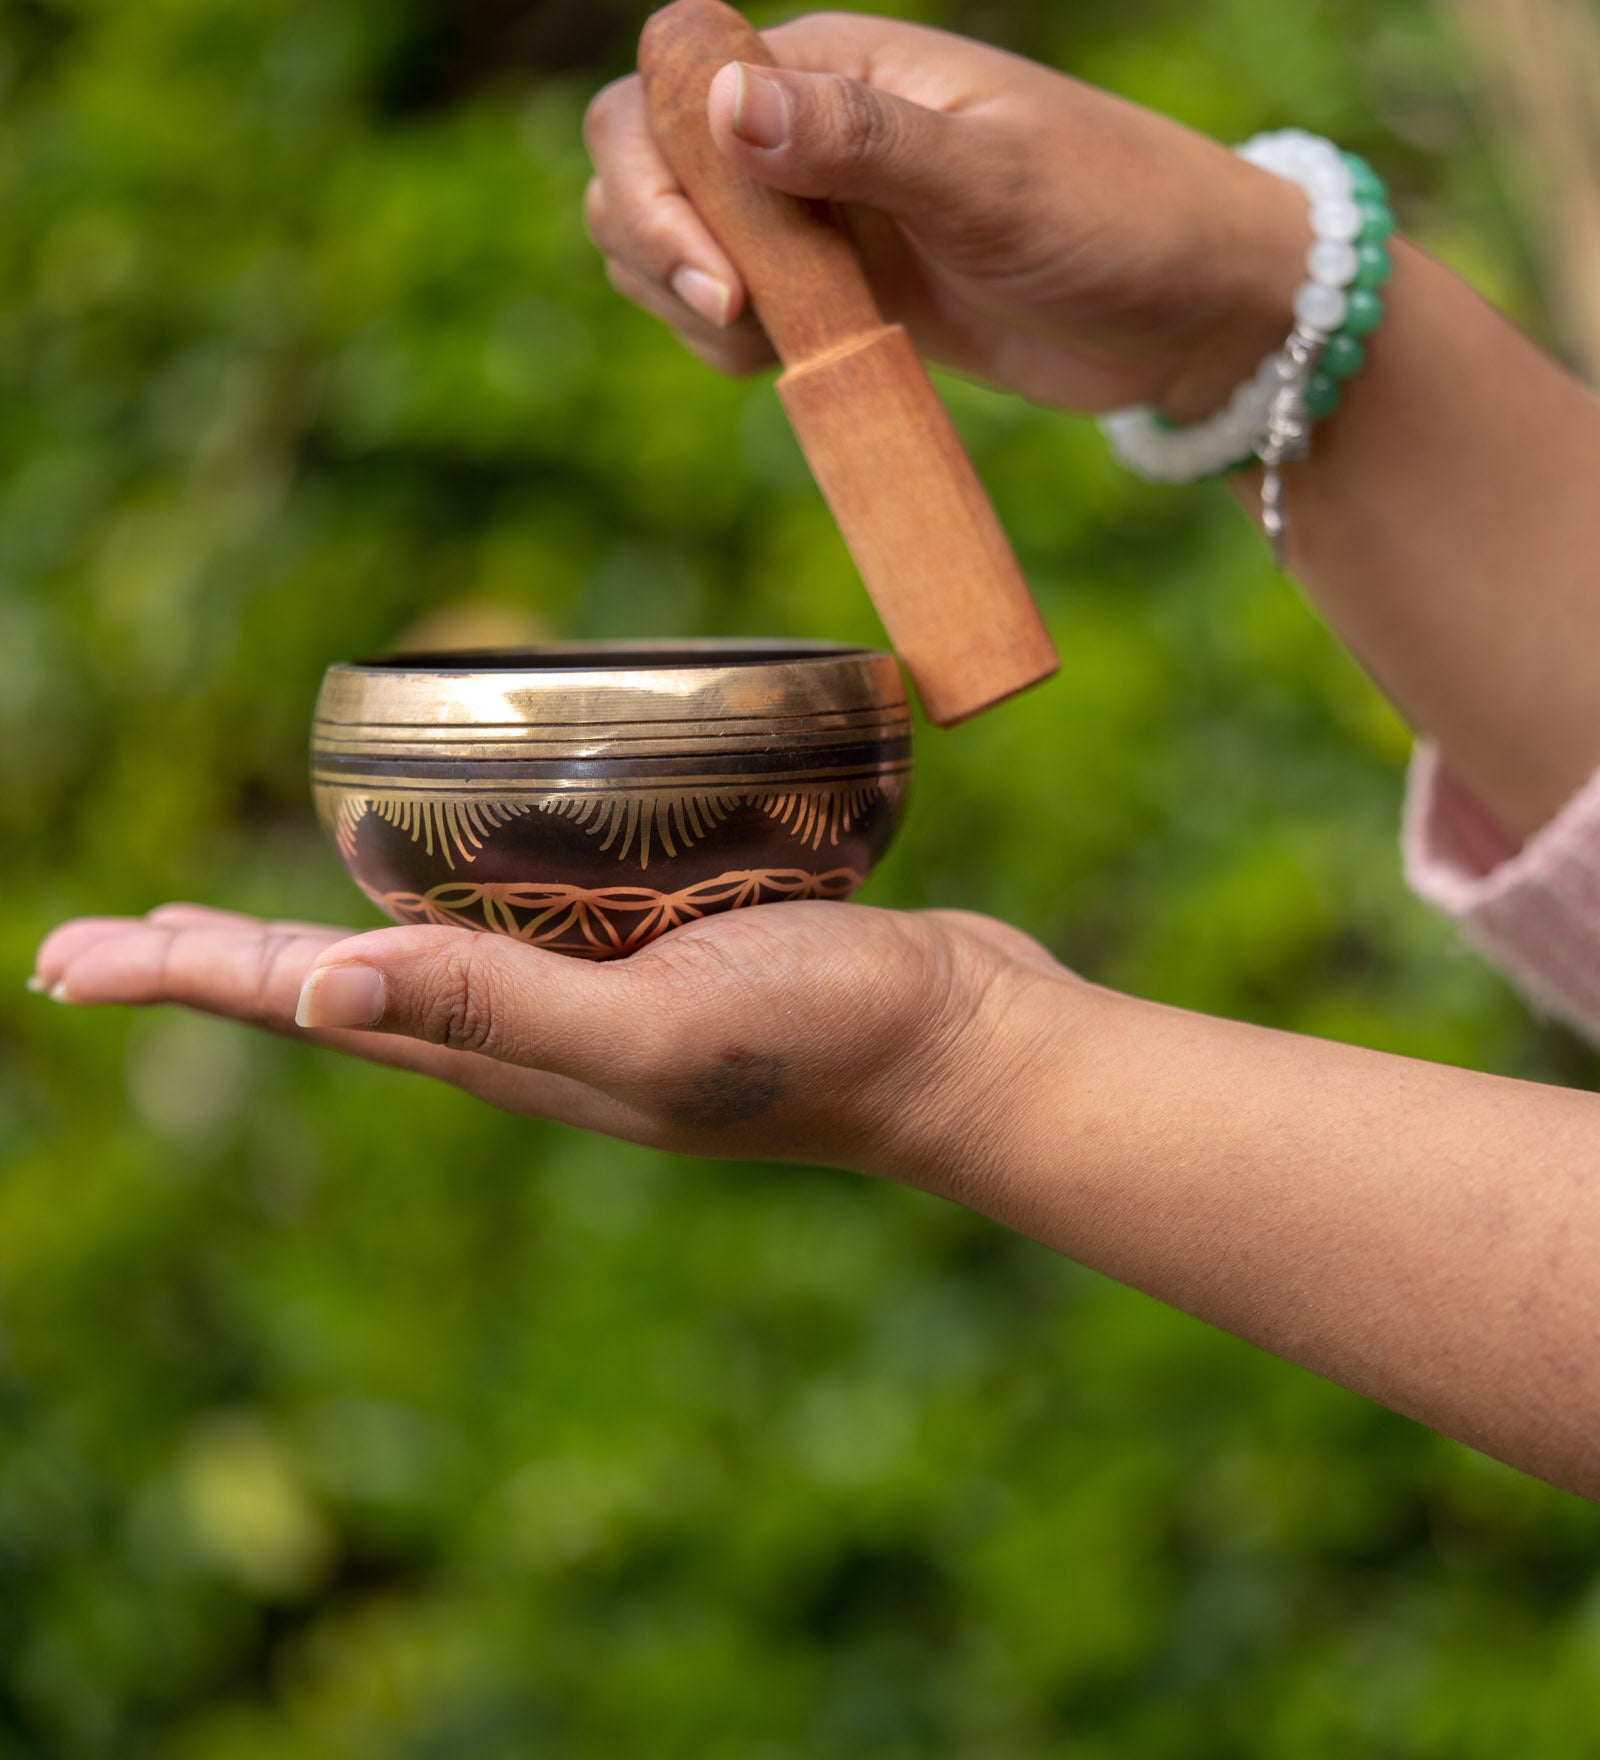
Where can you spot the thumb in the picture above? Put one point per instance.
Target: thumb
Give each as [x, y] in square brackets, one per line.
[489, 994]
[824, 136]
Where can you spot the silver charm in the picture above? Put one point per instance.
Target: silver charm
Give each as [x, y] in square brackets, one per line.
[1286, 438]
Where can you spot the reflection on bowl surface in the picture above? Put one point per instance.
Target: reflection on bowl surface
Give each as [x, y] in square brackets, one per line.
[589, 796]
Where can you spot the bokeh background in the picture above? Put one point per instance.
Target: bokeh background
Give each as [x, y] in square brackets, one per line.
[341, 1417]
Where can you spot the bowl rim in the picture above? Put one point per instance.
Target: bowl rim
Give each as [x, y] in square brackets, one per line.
[601, 695]
[610, 654]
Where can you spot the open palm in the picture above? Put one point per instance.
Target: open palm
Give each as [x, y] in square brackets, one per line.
[817, 1032]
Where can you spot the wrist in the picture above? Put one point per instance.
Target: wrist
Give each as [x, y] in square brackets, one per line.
[980, 1096]
[1255, 252]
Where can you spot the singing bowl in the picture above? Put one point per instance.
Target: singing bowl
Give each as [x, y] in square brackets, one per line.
[590, 796]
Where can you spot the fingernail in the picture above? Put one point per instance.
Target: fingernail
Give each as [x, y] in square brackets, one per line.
[58, 992]
[37, 985]
[702, 293]
[760, 109]
[341, 996]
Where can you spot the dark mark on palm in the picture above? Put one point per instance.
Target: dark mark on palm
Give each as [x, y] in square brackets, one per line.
[741, 1086]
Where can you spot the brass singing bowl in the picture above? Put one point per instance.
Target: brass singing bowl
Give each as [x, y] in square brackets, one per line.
[590, 796]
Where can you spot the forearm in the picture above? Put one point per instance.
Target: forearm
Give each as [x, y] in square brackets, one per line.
[1448, 526]
[1422, 1234]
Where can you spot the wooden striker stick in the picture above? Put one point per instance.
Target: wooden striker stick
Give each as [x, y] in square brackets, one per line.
[877, 438]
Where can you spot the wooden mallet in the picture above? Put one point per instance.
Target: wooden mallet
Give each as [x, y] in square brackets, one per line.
[877, 438]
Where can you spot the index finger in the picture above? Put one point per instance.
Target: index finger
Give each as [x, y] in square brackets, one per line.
[644, 216]
[234, 966]
[242, 969]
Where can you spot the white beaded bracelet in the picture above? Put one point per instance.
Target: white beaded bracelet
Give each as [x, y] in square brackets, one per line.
[1165, 454]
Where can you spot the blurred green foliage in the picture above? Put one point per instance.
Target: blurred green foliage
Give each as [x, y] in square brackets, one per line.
[341, 1418]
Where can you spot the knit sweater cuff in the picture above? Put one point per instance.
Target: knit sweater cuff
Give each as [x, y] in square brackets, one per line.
[1534, 911]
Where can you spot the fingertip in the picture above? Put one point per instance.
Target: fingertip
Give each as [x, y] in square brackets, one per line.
[346, 994]
[67, 940]
[826, 136]
[722, 96]
[704, 295]
[738, 336]
[761, 111]
[752, 105]
[103, 962]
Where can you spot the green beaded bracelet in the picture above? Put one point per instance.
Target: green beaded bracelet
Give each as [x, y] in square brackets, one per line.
[1322, 395]
[1344, 354]
[1271, 413]
[1374, 266]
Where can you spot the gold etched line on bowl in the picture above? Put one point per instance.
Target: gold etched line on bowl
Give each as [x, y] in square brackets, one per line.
[713, 726]
[710, 748]
[604, 922]
[497, 787]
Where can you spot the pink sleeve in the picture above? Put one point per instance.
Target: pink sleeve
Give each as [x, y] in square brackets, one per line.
[1534, 910]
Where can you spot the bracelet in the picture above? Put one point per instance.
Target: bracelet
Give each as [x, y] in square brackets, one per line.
[1270, 415]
